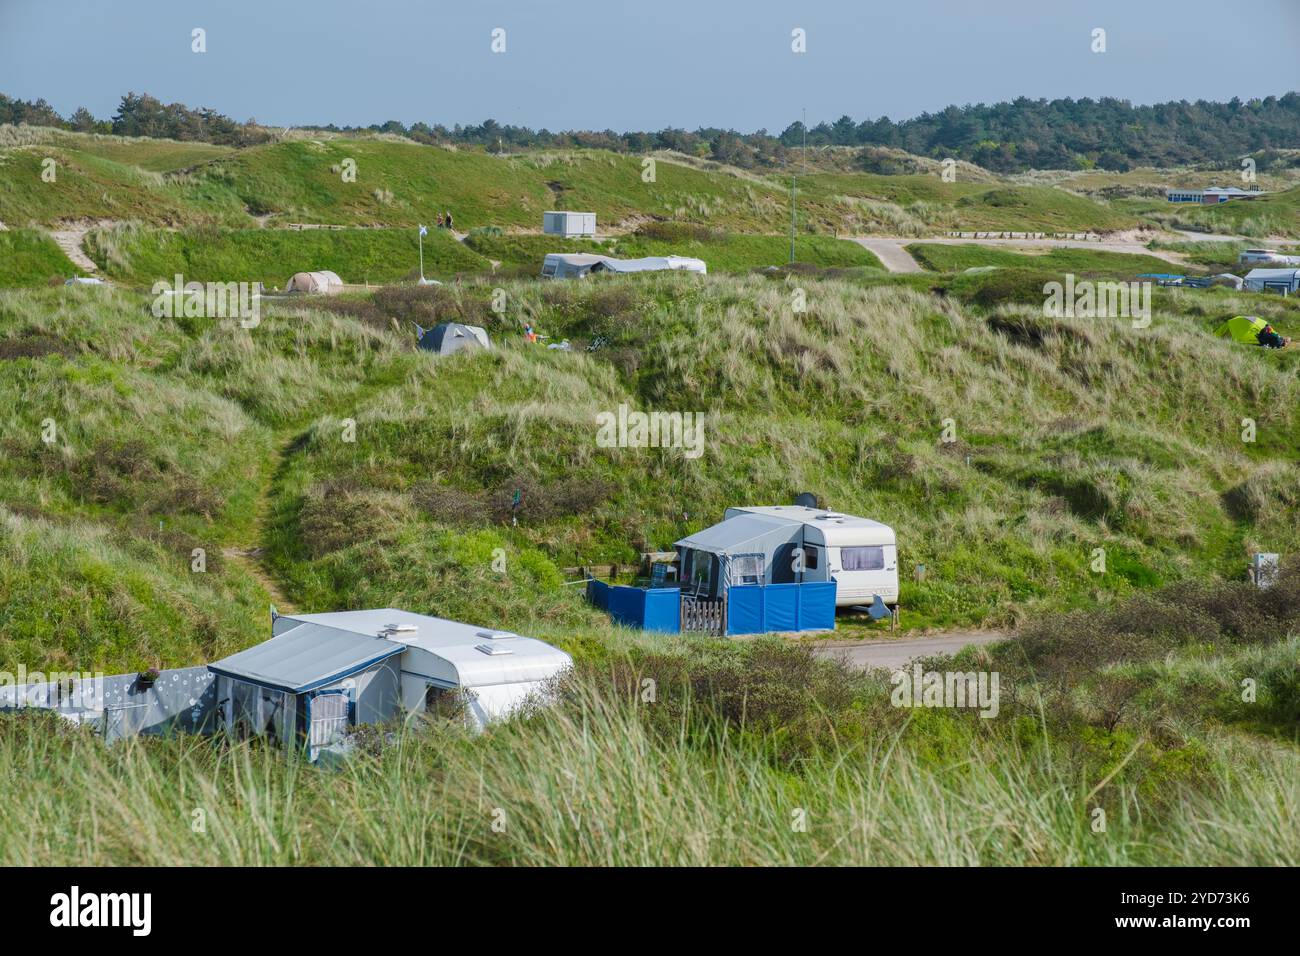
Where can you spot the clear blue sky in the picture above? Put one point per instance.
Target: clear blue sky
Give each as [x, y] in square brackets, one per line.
[644, 64]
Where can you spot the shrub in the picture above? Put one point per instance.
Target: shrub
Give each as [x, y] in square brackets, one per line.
[338, 514]
[573, 496]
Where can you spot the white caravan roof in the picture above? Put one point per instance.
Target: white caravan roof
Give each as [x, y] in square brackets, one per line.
[480, 656]
[836, 528]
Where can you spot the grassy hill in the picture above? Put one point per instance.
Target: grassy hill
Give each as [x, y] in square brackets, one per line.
[947, 258]
[1072, 435]
[400, 183]
[1277, 214]
[722, 251]
[29, 257]
[376, 475]
[141, 255]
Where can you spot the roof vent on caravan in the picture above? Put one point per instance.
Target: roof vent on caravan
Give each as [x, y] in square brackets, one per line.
[402, 633]
[831, 516]
[495, 647]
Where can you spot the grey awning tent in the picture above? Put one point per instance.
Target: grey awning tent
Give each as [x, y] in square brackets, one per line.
[306, 656]
[448, 337]
[744, 534]
[575, 265]
[651, 264]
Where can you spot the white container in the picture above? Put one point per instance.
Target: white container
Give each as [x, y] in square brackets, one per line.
[569, 223]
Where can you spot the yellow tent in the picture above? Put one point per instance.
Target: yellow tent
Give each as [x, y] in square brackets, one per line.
[1242, 328]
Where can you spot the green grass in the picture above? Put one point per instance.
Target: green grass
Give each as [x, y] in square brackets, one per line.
[29, 257]
[85, 186]
[404, 184]
[950, 258]
[916, 205]
[1048, 464]
[750, 755]
[141, 256]
[1277, 214]
[172, 435]
[722, 252]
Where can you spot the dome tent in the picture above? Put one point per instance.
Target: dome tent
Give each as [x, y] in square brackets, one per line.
[1242, 328]
[448, 337]
[323, 281]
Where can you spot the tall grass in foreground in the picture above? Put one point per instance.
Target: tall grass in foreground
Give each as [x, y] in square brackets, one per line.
[591, 783]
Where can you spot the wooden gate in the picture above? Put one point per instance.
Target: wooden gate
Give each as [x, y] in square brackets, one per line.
[700, 616]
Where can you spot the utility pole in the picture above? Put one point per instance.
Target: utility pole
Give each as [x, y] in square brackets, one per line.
[794, 180]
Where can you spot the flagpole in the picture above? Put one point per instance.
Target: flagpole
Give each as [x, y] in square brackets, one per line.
[421, 231]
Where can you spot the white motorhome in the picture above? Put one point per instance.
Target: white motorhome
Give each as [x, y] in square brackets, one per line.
[858, 554]
[1267, 256]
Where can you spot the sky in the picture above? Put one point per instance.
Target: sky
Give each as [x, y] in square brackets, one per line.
[636, 64]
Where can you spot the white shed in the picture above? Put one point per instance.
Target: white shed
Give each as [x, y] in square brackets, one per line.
[569, 223]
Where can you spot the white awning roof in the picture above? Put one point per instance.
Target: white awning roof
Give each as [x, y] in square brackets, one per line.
[481, 656]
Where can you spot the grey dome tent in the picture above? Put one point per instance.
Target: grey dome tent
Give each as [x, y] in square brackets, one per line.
[448, 337]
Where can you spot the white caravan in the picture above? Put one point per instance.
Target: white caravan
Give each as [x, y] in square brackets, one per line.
[858, 554]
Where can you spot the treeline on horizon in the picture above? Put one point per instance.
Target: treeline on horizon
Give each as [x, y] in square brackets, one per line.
[1005, 137]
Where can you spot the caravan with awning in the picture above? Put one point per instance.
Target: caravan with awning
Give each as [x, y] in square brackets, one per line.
[793, 544]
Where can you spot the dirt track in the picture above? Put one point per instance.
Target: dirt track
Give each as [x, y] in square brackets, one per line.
[894, 654]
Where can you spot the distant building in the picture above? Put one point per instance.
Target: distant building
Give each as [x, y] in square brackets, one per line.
[569, 223]
[1212, 196]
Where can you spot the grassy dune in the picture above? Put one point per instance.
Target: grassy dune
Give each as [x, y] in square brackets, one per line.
[401, 184]
[29, 257]
[722, 251]
[1070, 436]
[140, 255]
[948, 258]
[376, 475]
[1277, 214]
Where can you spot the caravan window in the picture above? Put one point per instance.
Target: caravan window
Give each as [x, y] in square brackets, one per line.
[548, 268]
[862, 559]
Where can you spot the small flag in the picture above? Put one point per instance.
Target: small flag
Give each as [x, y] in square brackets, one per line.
[424, 231]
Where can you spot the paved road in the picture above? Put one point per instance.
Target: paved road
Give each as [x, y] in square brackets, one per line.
[892, 654]
[891, 253]
[896, 258]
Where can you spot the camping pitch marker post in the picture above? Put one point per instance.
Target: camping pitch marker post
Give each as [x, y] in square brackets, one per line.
[423, 230]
